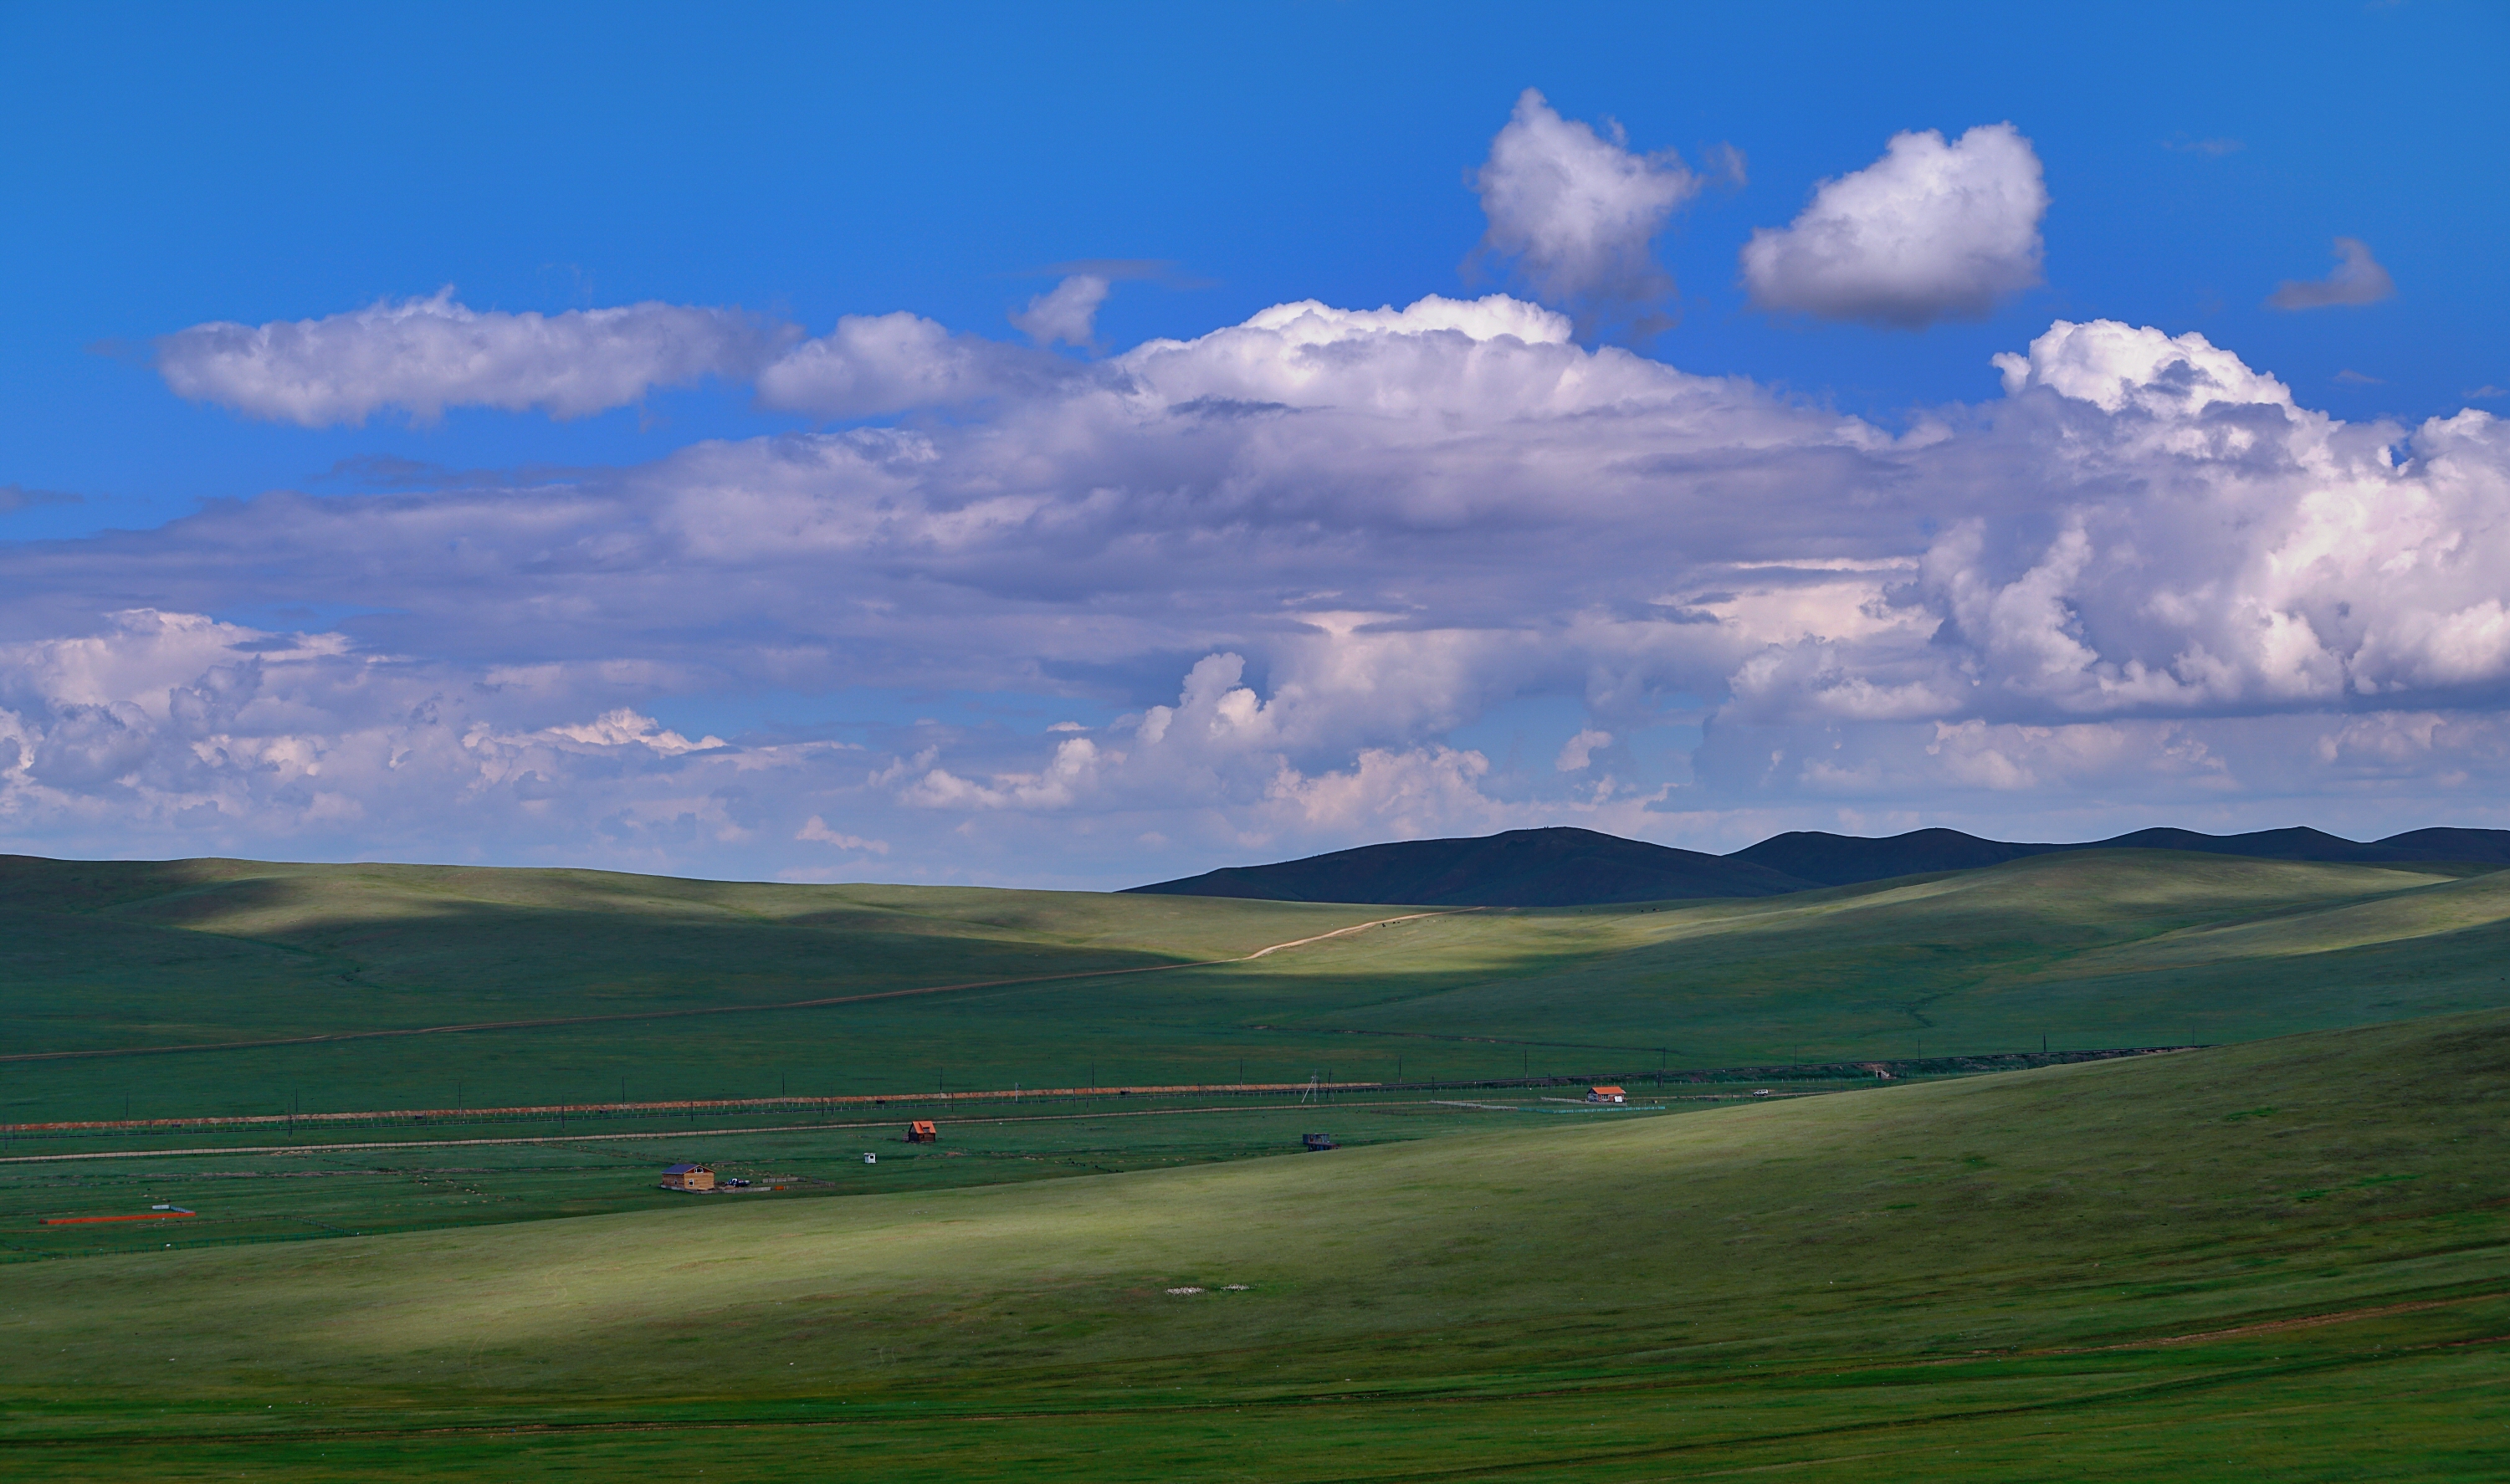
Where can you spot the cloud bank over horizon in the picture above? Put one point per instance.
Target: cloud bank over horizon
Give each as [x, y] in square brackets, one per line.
[1320, 577]
[1027, 603]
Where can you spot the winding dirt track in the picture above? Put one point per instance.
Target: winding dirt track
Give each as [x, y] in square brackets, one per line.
[713, 1010]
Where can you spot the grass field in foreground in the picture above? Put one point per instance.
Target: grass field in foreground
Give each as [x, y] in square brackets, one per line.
[2287, 1259]
[2101, 949]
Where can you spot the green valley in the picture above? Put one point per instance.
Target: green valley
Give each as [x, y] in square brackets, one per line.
[2287, 1249]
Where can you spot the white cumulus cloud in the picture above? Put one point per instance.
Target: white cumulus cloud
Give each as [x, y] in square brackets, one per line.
[426, 355]
[1579, 211]
[1931, 231]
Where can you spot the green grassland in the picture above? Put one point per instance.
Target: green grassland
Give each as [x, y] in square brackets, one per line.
[2284, 1259]
[130, 956]
[2110, 948]
[2287, 1255]
[347, 1183]
[123, 954]
[2100, 949]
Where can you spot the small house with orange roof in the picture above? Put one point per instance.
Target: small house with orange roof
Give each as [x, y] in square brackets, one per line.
[1607, 1095]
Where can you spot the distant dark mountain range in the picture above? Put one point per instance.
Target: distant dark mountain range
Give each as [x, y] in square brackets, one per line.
[1521, 869]
[1837, 861]
[1572, 867]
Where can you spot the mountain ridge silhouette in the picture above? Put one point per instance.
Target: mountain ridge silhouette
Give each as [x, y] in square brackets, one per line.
[1562, 867]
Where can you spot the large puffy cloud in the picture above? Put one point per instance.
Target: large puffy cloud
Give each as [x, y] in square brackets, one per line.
[1320, 577]
[1931, 231]
[1579, 211]
[426, 355]
[2194, 541]
[2225, 549]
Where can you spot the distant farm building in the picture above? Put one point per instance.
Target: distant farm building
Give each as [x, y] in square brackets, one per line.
[1317, 1141]
[923, 1132]
[1607, 1095]
[688, 1177]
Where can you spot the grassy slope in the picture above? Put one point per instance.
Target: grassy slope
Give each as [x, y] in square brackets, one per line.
[2068, 946]
[354, 947]
[103, 954]
[2128, 948]
[1876, 1277]
[314, 1191]
[2475, 903]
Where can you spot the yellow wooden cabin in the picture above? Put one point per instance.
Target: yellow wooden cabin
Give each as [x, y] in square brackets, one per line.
[688, 1177]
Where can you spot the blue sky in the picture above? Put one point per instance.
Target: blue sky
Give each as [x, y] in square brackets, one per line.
[176, 167]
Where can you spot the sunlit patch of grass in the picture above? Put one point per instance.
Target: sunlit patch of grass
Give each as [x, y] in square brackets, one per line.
[2078, 1242]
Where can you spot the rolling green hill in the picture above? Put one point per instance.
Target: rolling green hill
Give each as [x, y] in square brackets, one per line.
[2289, 1259]
[130, 958]
[303, 981]
[2086, 949]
